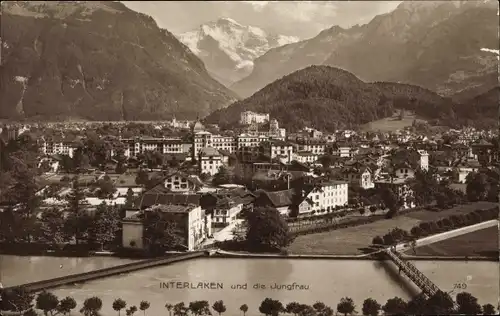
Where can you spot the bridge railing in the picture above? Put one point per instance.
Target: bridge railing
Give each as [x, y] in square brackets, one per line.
[426, 285]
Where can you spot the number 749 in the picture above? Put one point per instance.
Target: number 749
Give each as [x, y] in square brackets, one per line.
[460, 286]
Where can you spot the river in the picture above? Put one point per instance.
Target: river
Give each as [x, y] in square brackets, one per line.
[327, 280]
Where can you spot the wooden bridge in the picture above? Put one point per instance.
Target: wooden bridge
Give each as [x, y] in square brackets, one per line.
[417, 277]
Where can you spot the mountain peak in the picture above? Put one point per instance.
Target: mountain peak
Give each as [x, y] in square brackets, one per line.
[226, 20]
[228, 48]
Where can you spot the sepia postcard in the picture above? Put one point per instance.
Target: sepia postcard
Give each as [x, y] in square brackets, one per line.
[311, 158]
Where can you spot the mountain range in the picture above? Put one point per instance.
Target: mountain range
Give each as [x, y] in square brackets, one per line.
[228, 48]
[98, 61]
[329, 98]
[433, 44]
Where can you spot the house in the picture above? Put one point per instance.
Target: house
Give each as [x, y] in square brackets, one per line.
[416, 157]
[182, 182]
[209, 160]
[306, 157]
[278, 150]
[225, 205]
[402, 190]
[322, 197]
[359, 176]
[280, 200]
[404, 170]
[193, 225]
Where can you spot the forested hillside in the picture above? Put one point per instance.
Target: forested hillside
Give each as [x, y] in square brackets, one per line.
[329, 98]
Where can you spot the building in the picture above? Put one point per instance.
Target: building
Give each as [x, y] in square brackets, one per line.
[58, 147]
[314, 146]
[139, 145]
[360, 177]
[323, 197]
[210, 160]
[306, 157]
[280, 200]
[277, 149]
[191, 221]
[403, 191]
[249, 117]
[181, 182]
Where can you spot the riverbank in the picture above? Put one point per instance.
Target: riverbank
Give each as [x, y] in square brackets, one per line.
[483, 242]
[358, 240]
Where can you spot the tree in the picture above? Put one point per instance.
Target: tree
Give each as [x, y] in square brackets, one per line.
[169, 308]
[377, 240]
[47, 302]
[129, 199]
[477, 186]
[321, 309]
[346, 306]
[131, 310]
[270, 307]
[440, 303]
[267, 230]
[327, 311]
[373, 209]
[219, 307]
[488, 309]
[467, 304]
[244, 309]
[78, 221]
[161, 232]
[119, 304]
[307, 310]
[180, 309]
[395, 306]
[293, 308]
[417, 305]
[66, 305]
[91, 306]
[223, 176]
[370, 307]
[143, 306]
[106, 187]
[142, 177]
[391, 201]
[106, 223]
[200, 308]
[51, 227]
[17, 299]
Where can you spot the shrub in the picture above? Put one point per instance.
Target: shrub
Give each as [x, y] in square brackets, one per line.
[377, 240]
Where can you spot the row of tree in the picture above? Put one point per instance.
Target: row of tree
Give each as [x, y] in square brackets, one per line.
[20, 300]
[424, 229]
[58, 226]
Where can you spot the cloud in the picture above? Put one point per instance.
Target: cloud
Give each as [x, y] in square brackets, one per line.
[304, 19]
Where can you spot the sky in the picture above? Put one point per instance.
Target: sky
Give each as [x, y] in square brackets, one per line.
[304, 19]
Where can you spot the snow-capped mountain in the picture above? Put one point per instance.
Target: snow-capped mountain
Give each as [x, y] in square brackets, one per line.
[228, 48]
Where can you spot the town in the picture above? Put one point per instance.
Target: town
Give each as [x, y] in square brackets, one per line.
[207, 180]
[145, 189]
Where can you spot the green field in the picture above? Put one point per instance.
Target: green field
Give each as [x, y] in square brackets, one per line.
[391, 124]
[483, 242]
[352, 240]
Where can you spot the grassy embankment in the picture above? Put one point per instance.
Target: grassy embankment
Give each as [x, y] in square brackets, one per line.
[353, 240]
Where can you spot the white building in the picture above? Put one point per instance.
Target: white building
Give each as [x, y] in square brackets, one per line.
[181, 182]
[277, 149]
[324, 197]
[249, 117]
[135, 146]
[210, 160]
[193, 224]
[61, 147]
